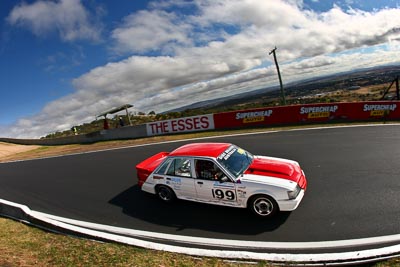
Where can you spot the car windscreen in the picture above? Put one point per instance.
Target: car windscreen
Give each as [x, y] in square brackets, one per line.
[236, 160]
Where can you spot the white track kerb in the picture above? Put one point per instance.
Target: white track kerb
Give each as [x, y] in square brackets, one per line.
[135, 238]
[221, 248]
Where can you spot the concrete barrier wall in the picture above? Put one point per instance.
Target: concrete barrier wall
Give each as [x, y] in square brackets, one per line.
[128, 132]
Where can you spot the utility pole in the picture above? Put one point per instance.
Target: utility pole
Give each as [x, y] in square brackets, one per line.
[279, 76]
[396, 82]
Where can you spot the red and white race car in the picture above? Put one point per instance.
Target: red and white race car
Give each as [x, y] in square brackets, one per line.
[224, 174]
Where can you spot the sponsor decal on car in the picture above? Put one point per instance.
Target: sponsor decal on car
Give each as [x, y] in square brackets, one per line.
[175, 183]
[227, 153]
[241, 194]
[223, 185]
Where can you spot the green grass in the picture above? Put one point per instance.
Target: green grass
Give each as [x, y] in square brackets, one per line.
[21, 245]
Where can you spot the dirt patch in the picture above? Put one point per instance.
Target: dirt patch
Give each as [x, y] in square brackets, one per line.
[13, 152]
[7, 149]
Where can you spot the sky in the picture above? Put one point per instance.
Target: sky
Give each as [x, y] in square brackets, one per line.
[62, 62]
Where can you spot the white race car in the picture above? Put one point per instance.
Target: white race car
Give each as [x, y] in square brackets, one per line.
[224, 174]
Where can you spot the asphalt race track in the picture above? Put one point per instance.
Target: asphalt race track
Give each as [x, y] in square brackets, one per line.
[353, 188]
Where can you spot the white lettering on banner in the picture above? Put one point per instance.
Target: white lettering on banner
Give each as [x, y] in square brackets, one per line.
[247, 115]
[188, 124]
[391, 107]
[306, 110]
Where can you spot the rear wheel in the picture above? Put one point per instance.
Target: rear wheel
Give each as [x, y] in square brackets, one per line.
[165, 193]
[263, 206]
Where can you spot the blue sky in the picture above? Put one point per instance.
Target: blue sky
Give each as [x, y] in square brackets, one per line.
[64, 61]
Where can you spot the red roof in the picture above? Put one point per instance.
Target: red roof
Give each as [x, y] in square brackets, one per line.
[201, 150]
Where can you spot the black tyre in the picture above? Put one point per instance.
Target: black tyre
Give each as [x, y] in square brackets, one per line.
[263, 206]
[165, 193]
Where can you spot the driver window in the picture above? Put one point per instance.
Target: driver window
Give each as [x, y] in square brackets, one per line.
[180, 167]
[207, 170]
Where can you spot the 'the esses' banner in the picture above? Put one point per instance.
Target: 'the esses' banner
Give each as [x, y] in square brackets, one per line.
[181, 125]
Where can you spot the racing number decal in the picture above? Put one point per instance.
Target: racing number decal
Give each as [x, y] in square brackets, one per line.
[220, 194]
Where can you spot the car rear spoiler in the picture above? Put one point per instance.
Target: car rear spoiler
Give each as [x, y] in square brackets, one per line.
[144, 168]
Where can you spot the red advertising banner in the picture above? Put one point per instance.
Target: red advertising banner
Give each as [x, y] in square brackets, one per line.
[181, 125]
[297, 114]
[358, 111]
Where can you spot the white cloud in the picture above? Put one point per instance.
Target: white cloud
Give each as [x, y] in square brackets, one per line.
[217, 51]
[263, 14]
[68, 18]
[149, 30]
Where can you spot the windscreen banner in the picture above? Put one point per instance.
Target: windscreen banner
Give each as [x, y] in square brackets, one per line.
[181, 125]
[309, 113]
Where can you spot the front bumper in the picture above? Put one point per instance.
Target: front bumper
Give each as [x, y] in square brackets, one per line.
[292, 204]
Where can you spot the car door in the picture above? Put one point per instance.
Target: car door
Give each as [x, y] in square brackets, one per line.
[213, 185]
[179, 176]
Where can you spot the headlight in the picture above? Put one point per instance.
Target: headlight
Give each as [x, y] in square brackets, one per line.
[293, 194]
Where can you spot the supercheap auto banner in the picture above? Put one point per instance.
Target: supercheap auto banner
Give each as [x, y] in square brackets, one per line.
[357, 111]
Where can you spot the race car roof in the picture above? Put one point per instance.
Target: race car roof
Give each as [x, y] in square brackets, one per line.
[201, 150]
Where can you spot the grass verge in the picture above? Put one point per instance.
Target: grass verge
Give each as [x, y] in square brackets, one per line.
[21, 245]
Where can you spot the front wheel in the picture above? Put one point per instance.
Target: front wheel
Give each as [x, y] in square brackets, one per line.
[165, 193]
[263, 206]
